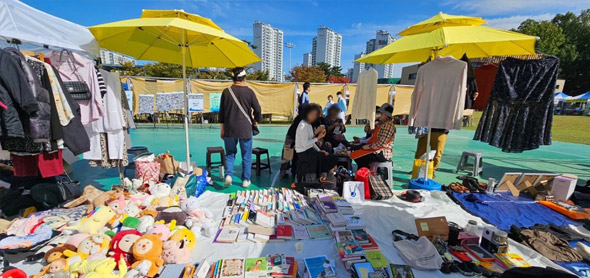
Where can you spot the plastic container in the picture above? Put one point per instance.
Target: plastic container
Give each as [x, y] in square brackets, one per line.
[420, 183]
[471, 228]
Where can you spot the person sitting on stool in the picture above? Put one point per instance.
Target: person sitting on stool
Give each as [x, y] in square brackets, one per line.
[381, 149]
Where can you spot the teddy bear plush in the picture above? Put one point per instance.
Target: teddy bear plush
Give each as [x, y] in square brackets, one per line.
[94, 247]
[56, 260]
[199, 220]
[122, 244]
[160, 196]
[174, 253]
[148, 248]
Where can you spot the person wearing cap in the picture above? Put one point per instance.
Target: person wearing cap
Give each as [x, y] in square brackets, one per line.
[381, 147]
[235, 127]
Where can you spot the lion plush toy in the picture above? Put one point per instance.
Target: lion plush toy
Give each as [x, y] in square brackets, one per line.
[148, 248]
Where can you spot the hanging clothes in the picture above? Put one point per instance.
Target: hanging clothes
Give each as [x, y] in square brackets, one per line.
[75, 67]
[484, 76]
[14, 92]
[74, 134]
[471, 83]
[519, 114]
[439, 94]
[38, 125]
[107, 135]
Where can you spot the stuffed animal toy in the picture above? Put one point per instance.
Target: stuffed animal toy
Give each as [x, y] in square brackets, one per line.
[186, 236]
[160, 196]
[98, 268]
[145, 222]
[148, 248]
[174, 253]
[171, 213]
[96, 221]
[199, 220]
[94, 247]
[122, 244]
[118, 204]
[140, 271]
[161, 230]
[131, 210]
[56, 260]
[76, 239]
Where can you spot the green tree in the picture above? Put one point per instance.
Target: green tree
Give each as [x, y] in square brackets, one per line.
[335, 71]
[258, 75]
[165, 70]
[129, 69]
[306, 74]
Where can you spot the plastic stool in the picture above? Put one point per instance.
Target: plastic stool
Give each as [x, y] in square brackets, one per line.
[476, 168]
[219, 164]
[258, 164]
[135, 151]
[388, 166]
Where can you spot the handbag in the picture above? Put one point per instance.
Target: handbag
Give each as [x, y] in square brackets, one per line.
[379, 189]
[167, 163]
[353, 191]
[147, 171]
[363, 175]
[79, 90]
[255, 130]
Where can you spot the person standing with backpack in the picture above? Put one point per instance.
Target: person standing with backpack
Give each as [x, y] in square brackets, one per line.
[239, 112]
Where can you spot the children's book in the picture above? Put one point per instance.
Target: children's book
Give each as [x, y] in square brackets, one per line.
[362, 270]
[232, 268]
[354, 222]
[376, 258]
[256, 267]
[361, 236]
[401, 271]
[347, 245]
[284, 231]
[319, 267]
[300, 232]
[318, 232]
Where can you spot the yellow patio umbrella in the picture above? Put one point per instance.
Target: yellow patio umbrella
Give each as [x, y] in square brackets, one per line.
[447, 35]
[451, 35]
[178, 37]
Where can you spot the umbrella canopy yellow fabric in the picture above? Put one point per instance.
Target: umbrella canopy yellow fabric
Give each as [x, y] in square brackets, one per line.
[159, 34]
[178, 37]
[453, 39]
[442, 20]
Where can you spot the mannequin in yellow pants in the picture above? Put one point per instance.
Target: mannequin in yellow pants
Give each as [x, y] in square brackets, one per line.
[438, 139]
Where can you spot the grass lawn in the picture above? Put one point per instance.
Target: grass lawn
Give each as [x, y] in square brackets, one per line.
[571, 129]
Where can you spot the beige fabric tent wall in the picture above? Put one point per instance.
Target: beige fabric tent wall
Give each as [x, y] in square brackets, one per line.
[382, 94]
[403, 99]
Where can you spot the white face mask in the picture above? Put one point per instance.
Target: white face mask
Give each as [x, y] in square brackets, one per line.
[377, 115]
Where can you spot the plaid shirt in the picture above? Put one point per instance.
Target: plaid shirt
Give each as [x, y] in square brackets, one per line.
[385, 138]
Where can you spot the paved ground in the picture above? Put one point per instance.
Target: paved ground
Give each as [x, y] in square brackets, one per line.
[557, 158]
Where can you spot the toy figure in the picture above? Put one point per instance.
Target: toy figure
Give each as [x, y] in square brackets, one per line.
[55, 259]
[92, 248]
[148, 248]
[200, 220]
[122, 244]
[174, 252]
[186, 236]
[96, 221]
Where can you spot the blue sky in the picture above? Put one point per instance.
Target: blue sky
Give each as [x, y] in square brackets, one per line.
[356, 20]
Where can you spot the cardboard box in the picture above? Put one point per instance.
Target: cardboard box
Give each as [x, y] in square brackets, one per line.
[563, 187]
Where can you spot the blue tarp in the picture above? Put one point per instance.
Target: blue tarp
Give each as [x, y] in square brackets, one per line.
[503, 210]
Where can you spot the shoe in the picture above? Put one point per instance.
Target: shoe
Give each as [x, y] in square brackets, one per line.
[228, 180]
[246, 183]
[474, 268]
[464, 268]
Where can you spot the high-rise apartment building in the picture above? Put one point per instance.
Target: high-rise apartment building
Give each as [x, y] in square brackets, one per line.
[357, 68]
[381, 39]
[269, 42]
[307, 60]
[326, 47]
[114, 59]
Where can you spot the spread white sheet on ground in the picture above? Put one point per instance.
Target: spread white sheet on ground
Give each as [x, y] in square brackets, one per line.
[380, 217]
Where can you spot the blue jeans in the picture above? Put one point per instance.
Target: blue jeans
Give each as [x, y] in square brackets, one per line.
[231, 148]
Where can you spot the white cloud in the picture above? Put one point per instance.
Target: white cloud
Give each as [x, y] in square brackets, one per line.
[503, 7]
[514, 21]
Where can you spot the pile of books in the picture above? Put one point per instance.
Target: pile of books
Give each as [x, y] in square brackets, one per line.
[366, 270]
[275, 266]
[270, 215]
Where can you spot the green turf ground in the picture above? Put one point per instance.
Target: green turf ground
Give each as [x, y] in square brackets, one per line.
[561, 157]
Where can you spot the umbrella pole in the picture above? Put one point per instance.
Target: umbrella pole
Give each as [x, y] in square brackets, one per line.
[186, 113]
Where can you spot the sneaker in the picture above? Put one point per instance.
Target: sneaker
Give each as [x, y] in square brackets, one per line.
[246, 183]
[228, 180]
[464, 269]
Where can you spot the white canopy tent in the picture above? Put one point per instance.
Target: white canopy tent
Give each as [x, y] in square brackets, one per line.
[31, 26]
